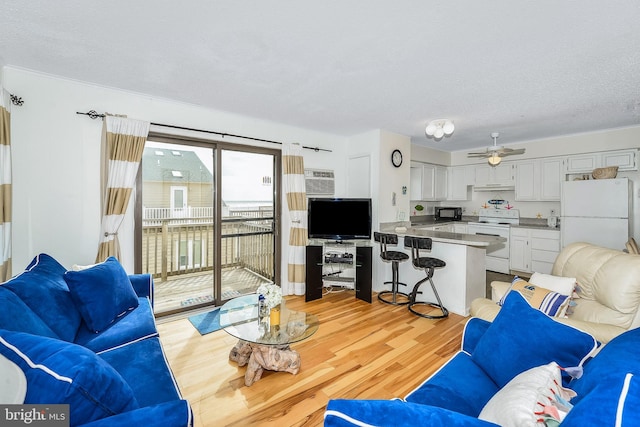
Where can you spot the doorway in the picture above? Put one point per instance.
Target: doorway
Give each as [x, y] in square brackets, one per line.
[206, 221]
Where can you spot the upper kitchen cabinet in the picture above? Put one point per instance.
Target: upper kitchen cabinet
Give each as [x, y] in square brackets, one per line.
[586, 163]
[500, 176]
[539, 180]
[428, 182]
[460, 178]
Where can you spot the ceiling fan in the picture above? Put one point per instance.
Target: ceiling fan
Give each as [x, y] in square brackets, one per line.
[495, 152]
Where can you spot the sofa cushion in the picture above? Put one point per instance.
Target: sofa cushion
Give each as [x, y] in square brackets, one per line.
[102, 293]
[137, 324]
[15, 315]
[152, 383]
[613, 402]
[522, 337]
[64, 373]
[618, 357]
[531, 396]
[460, 386]
[394, 413]
[549, 302]
[42, 287]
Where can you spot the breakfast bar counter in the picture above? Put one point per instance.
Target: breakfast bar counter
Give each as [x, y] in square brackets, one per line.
[461, 281]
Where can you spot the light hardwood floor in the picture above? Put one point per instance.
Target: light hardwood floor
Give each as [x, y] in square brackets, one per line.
[361, 350]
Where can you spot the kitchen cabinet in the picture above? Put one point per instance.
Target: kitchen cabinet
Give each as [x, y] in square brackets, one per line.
[428, 182]
[460, 228]
[460, 178]
[626, 160]
[533, 250]
[539, 180]
[501, 174]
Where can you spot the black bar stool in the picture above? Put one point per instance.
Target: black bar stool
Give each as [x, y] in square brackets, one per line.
[395, 258]
[429, 265]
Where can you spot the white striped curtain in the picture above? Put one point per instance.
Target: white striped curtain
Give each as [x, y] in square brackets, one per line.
[5, 186]
[123, 142]
[294, 188]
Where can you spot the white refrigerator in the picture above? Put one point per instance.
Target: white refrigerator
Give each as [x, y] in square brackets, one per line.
[596, 211]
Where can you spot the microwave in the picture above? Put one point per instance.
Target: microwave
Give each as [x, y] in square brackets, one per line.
[448, 213]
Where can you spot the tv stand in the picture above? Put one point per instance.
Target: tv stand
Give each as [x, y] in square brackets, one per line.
[343, 264]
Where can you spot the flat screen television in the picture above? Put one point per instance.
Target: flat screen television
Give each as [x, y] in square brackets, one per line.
[339, 219]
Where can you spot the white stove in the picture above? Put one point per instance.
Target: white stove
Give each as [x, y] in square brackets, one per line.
[496, 222]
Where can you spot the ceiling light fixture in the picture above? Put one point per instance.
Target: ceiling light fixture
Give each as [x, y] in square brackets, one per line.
[494, 160]
[439, 128]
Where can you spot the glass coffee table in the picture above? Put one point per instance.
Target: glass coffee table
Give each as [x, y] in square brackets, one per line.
[262, 345]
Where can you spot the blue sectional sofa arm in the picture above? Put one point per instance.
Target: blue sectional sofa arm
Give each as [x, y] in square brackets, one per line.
[168, 414]
[397, 413]
[143, 285]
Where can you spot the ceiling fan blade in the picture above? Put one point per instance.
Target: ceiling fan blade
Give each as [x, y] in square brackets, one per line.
[513, 152]
[479, 155]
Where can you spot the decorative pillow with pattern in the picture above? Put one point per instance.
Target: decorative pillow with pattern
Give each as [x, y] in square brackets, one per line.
[551, 303]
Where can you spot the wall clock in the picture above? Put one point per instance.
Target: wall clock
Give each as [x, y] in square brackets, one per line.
[396, 158]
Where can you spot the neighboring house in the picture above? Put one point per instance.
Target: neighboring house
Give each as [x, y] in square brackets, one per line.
[176, 184]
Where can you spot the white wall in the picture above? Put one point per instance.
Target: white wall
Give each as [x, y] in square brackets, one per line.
[56, 160]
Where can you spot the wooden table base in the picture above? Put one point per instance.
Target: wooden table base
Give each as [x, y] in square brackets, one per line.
[259, 357]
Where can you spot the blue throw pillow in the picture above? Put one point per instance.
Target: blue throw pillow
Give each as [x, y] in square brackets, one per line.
[15, 315]
[102, 293]
[43, 289]
[59, 372]
[522, 337]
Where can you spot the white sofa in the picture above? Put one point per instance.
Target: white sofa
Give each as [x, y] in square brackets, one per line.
[608, 290]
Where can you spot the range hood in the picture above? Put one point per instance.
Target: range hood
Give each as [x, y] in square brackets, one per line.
[494, 187]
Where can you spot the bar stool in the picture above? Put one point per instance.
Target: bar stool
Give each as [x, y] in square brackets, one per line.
[395, 258]
[429, 265]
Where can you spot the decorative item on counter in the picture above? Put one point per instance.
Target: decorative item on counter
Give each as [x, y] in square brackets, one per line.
[509, 206]
[605, 173]
[538, 215]
[484, 206]
[419, 207]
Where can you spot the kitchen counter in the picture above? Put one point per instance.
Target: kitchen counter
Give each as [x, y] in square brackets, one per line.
[536, 226]
[444, 236]
[458, 283]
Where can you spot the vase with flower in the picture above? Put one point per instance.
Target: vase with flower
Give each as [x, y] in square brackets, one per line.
[272, 298]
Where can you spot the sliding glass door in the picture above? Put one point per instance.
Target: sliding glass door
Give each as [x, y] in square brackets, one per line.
[206, 221]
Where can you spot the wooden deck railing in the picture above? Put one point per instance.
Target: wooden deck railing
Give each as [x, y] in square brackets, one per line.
[185, 245]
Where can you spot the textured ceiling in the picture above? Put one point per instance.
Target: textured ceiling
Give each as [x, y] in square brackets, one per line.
[526, 69]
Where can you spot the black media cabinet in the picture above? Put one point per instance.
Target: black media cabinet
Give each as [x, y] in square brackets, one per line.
[315, 261]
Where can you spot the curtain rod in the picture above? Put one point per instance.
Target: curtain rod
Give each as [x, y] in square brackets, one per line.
[94, 115]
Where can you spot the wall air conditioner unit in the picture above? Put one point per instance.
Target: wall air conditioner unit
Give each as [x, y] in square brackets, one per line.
[319, 182]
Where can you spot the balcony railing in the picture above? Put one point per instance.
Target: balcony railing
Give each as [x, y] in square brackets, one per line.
[185, 244]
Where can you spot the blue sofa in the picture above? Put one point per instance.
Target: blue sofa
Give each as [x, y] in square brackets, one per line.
[88, 338]
[522, 369]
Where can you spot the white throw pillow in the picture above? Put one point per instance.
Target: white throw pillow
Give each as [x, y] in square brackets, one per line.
[13, 383]
[561, 285]
[521, 403]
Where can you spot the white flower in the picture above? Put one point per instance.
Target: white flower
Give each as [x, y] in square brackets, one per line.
[272, 294]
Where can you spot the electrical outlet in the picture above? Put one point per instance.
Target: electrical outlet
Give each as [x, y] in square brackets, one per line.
[552, 212]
